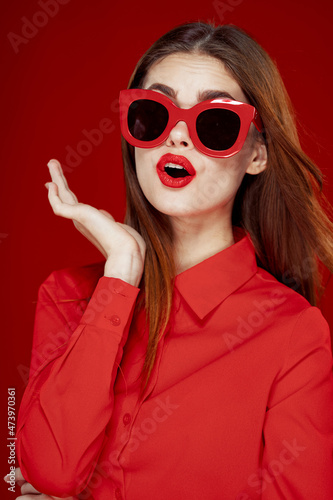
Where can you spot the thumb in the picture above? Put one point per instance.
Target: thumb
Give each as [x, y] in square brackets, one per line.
[19, 479]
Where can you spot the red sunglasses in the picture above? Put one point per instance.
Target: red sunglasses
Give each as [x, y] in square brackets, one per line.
[218, 127]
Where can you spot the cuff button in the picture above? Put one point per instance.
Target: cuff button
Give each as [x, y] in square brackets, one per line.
[115, 320]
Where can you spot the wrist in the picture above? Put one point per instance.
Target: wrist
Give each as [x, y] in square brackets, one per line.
[128, 268]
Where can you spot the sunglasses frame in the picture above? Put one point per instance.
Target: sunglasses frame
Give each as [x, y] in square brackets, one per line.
[247, 114]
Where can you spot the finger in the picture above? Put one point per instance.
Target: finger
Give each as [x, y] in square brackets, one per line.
[58, 177]
[67, 210]
[41, 496]
[83, 230]
[19, 479]
[89, 217]
[72, 212]
[55, 165]
[19, 475]
[59, 170]
[28, 488]
[77, 214]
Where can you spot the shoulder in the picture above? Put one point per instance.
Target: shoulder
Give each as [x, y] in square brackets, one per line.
[267, 305]
[282, 327]
[280, 295]
[289, 310]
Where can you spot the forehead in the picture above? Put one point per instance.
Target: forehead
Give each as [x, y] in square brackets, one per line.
[189, 74]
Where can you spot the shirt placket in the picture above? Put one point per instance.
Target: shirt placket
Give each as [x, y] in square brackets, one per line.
[127, 430]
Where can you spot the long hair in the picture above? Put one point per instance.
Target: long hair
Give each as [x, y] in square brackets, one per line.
[282, 208]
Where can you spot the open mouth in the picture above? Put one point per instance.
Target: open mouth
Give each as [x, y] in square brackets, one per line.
[175, 171]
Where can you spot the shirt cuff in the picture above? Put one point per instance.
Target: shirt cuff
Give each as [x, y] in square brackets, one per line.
[111, 304]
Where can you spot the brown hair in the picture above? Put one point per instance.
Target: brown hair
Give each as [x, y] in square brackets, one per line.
[281, 208]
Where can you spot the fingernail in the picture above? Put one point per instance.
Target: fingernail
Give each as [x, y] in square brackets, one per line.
[51, 162]
[6, 478]
[47, 185]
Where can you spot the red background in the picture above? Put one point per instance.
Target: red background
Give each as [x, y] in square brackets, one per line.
[66, 79]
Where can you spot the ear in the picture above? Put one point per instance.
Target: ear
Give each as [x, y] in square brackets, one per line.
[258, 161]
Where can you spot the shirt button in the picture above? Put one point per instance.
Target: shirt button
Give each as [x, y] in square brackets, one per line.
[126, 418]
[118, 286]
[115, 320]
[118, 494]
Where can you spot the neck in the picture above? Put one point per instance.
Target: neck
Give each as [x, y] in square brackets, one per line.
[198, 238]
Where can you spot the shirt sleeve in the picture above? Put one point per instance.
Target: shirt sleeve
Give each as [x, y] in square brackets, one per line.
[69, 399]
[298, 429]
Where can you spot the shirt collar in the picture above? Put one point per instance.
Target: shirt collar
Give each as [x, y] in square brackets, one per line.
[207, 284]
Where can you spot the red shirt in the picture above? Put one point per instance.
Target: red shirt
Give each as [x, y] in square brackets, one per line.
[239, 405]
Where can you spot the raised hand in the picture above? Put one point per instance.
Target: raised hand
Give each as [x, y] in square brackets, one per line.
[122, 246]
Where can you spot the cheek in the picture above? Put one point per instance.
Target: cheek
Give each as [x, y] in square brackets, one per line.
[226, 176]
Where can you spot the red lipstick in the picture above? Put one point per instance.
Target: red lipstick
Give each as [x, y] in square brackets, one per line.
[175, 171]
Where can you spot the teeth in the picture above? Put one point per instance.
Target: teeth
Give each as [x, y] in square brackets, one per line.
[175, 171]
[173, 165]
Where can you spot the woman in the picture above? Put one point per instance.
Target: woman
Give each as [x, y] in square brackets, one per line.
[200, 367]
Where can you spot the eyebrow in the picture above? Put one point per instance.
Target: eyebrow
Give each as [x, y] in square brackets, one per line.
[204, 95]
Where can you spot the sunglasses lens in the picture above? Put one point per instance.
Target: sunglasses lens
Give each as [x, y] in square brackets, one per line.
[147, 119]
[218, 129]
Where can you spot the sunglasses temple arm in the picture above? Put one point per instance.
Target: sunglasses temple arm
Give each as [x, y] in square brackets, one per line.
[258, 122]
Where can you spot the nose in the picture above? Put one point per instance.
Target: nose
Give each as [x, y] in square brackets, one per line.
[180, 136]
